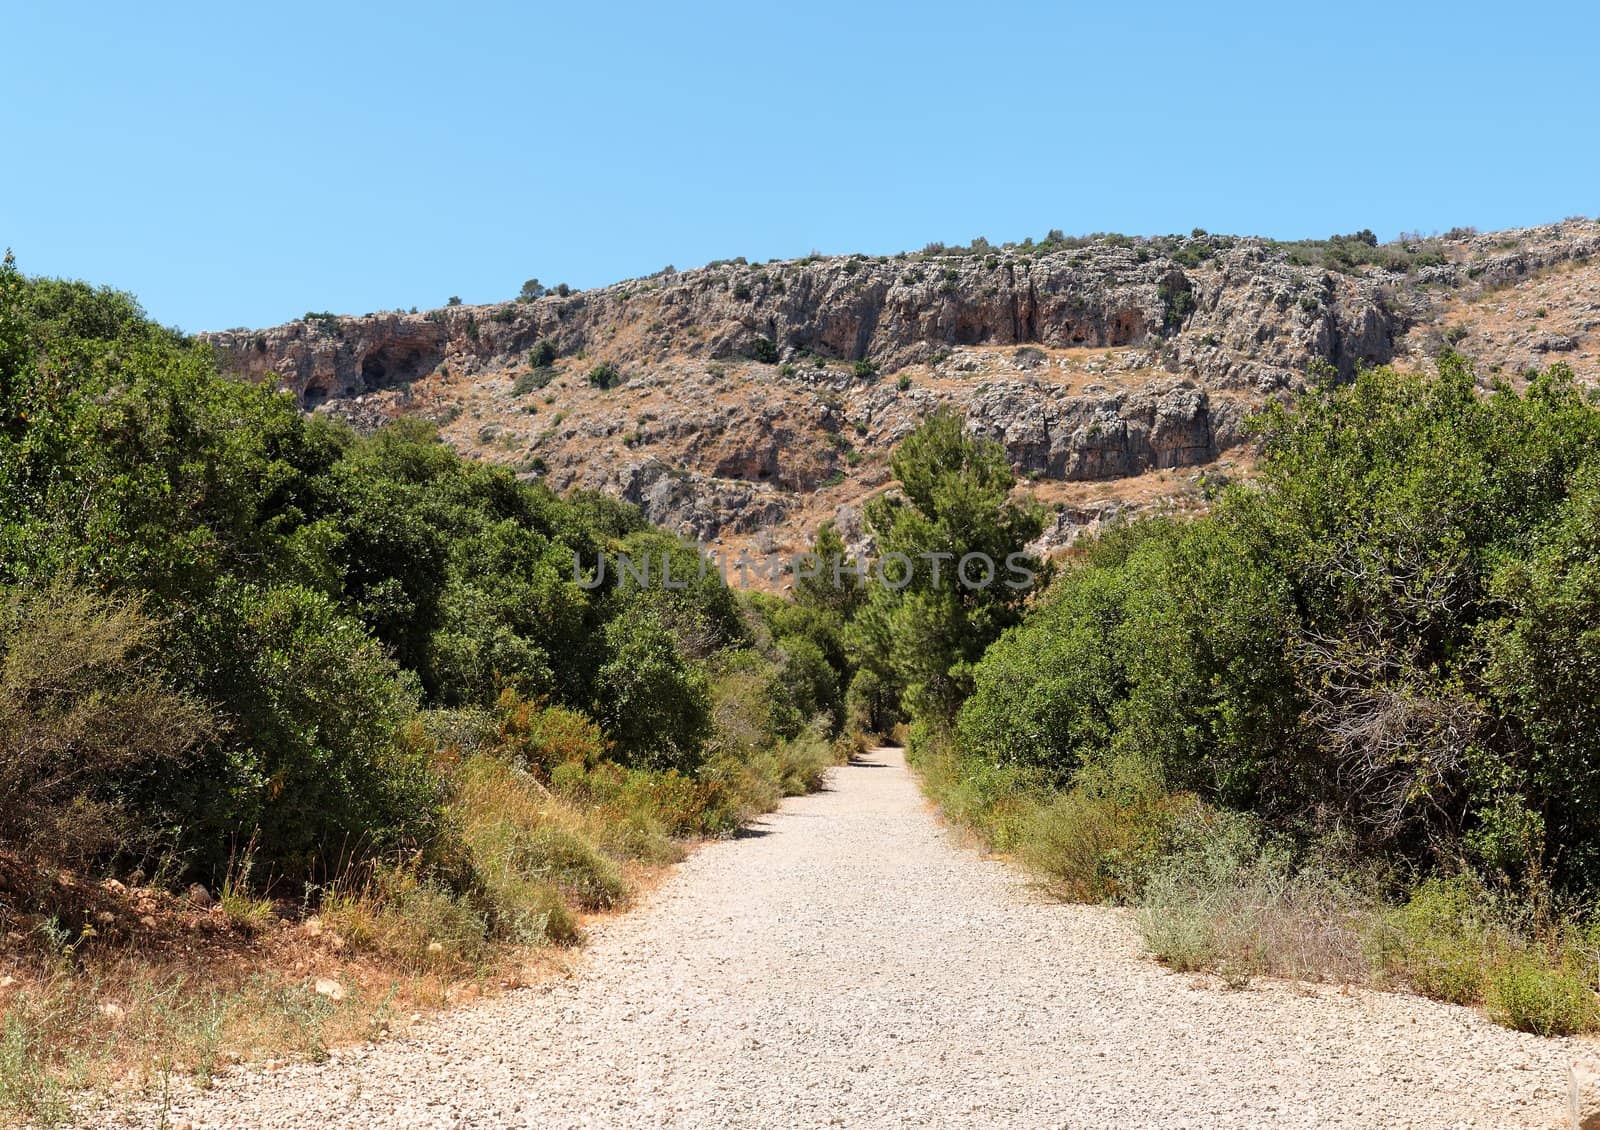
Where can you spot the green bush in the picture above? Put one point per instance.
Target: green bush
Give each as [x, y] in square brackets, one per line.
[1548, 1000]
[532, 381]
[765, 351]
[1045, 691]
[326, 774]
[605, 375]
[1388, 633]
[997, 802]
[803, 761]
[401, 915]
[541, 736]
[652, 702]
[1099, 840]
[239, 644]
[808, 681]
[92, 735]
[313, 588]
[562, 857]
[1442, 942]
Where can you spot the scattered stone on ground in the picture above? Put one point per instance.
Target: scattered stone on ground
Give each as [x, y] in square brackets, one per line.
[848, 962]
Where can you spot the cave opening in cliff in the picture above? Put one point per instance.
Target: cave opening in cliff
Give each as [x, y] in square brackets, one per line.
[387, 366]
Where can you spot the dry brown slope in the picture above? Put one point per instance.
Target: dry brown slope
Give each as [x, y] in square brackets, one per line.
[1113, 374]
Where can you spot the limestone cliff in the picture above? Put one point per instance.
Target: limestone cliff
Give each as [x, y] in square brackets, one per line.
[753, 400]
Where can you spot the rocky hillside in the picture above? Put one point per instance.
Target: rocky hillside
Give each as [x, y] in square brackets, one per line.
[744, 403]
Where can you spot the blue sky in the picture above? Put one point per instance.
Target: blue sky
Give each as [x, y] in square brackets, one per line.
[240, 168]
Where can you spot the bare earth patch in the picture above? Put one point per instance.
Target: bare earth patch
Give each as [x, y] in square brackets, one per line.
[848, 963]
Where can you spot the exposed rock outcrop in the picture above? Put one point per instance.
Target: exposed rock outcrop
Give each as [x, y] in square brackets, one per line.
[1110, 436]
[1243, 319]
[756, 400]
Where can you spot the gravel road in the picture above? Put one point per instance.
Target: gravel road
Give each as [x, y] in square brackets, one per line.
[848, 963]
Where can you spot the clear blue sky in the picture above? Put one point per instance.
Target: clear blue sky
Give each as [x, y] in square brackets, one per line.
[240, 168]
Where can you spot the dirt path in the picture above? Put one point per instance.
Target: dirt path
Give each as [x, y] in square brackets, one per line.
[846, 963]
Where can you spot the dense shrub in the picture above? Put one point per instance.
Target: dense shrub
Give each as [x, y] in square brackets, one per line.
[251, 648]
[1387, 634]
[532, 381]
[1543, 998]
[323, 772]
[297, 603]
[543, 736]
[1351, 252]
[91, 733]
[1101, 839]
[1441, 941]
[1045, 692]
[1342, 726]
[650, 699]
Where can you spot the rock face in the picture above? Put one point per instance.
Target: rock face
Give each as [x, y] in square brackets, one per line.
[1244, 318]
[755, 400]
[699, 506]
[320, 360]
[1110, 436]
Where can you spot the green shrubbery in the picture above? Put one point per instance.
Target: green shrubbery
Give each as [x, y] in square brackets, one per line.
[1359, 249]
[1384, 635]
[91, 736]
[358, 675]
[233, 625]
[922, 632]
[532, 381]
[1370, 666]
[651, 698]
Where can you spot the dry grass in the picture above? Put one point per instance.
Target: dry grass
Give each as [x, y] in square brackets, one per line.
[169, 985]
[1228, 904]
[124, 1021]
[1216, 895]
[1264, 922]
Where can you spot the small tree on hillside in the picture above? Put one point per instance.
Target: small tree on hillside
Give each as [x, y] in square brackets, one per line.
[952, 572]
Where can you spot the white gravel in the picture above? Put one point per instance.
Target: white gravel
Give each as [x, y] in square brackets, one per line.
[848, 963]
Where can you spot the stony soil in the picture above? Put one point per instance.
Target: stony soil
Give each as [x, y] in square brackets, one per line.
[848, 962]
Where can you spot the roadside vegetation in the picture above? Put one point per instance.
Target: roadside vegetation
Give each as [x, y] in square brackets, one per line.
[1342, 727]
[301, 730]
